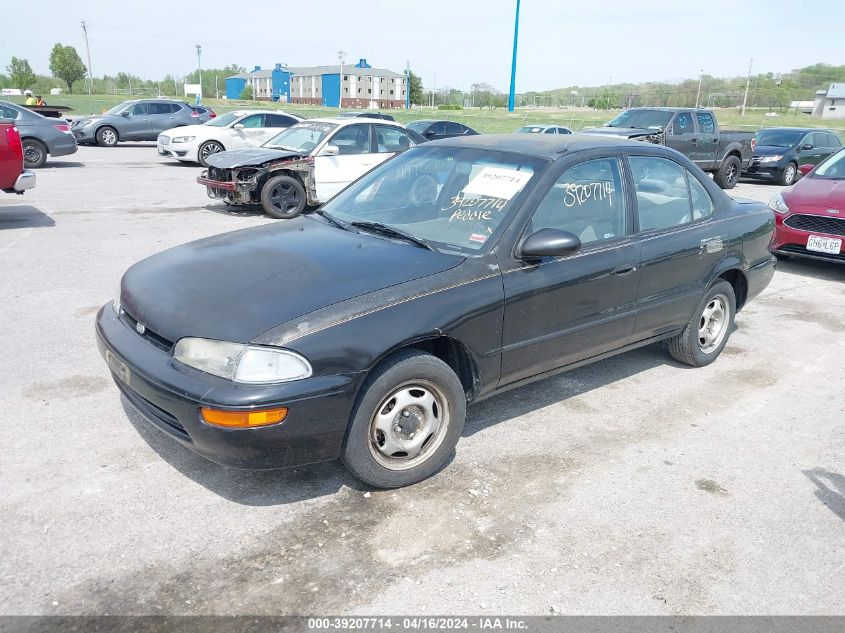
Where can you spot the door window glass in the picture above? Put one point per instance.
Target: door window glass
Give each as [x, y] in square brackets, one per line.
[663, 199]
[354, 139]
[140, 109]
[587, 201]
[705, 122]
[834, 140]
[454, 128]
[820, 140]
[8, 113]
[391, 139]
[683, 124]
[280, 120]
[702, 203]
[256, 120]
[159, 108]
[550, 130]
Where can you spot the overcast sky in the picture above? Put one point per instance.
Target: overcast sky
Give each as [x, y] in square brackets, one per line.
[460, 41]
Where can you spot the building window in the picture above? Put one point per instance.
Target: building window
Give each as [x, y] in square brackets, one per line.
[359, 91]
[369, 91]
[391, 92]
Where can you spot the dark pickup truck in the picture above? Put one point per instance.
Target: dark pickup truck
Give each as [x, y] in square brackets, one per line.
[693, 132]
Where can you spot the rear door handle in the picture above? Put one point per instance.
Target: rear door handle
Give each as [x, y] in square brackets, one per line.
[625, 269]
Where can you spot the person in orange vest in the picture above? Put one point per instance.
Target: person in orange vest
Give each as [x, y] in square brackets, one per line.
[39, 101]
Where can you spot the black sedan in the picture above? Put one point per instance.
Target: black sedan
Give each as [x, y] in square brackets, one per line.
[780, 151]
[453, 272]
[435, 130]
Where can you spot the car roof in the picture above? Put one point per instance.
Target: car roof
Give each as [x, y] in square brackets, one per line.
[796, 129]
[551, 146]
[352, 121]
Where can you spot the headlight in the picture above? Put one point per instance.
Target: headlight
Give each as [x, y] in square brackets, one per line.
[778, 204]
[115, 302]
[771, 159]
[241, 363]
[183, 139]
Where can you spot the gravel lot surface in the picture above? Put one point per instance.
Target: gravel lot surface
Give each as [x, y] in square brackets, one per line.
[635, 485]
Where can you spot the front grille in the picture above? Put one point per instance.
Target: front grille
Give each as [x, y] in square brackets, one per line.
[152, 411]
[152, 337]
[816, 224]
[794, 249]
[220, 175]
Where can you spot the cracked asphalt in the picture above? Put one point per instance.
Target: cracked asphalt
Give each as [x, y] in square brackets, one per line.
[631, 486]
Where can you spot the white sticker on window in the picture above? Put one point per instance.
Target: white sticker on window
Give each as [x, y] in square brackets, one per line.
[496, 182]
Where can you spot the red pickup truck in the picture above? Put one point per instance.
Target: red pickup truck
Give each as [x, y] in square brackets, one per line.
[13, 177]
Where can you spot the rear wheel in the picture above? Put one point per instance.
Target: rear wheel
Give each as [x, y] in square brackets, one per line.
[728, 174]
[34, 153]
[406, 422]
[707, 332]
[283, 197]
[207, 149]
[787, 176]
[107, 136]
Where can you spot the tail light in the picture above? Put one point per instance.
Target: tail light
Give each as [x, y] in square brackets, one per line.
[13, 139]
[62, 127]
[195, 114]
[211, 114]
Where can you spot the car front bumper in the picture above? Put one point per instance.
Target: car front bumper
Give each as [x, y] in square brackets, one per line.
[169, 396]
[793, 243]
[176, 150]
[25, 181]
[764, 171]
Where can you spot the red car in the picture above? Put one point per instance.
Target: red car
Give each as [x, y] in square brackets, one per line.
[13, 177]
[810, 215]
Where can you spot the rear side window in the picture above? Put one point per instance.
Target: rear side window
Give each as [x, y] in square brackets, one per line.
[158, 108]
[280, 120]
[587, 201]
[8, 113]
[175, 107]
[683, 124]
[454, 128]
[663, 199]
[705, 122]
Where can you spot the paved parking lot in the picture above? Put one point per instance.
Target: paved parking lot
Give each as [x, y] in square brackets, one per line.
[635, 485]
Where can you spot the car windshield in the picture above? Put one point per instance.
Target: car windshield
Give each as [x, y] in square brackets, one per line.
[642, 119]
[302, 137]
[833, 167]
[418, 126]
[120, 107]
[456, 198]
[531, 129]
[224, 120]
[778, 138]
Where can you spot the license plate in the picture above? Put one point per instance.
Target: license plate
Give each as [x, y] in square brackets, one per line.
[819, 244]
[117, 366]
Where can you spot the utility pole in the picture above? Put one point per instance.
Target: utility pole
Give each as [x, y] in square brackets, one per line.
[698, 94]
[88, 53]
[340, 55]
[216, 89]
[747, 84]
[199, 70]
[513, 60]
[408, 85]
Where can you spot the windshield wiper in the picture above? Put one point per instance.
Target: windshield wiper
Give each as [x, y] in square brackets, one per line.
[331, 219]
[389, 231]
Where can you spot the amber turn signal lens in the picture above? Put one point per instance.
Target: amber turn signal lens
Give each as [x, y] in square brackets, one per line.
[244, 419]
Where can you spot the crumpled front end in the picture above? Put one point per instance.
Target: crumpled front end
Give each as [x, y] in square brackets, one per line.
[242, 185]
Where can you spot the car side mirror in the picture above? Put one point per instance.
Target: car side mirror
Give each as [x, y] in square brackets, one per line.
[238, 126]
[330, 150]
[549, 243]
[429, 134]
[805, 169]
[807, 146]
[125, 113]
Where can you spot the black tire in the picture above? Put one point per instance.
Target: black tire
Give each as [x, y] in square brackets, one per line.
[687, 347]
[34, 153]
[789, 175]
[407, 372]
[728, 173]
[207, 149]
[107, 136]
[283, 197]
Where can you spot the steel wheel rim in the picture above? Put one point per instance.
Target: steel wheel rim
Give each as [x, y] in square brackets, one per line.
[210, 148]
[713, 324]
[789, 174]
[109, 137]
[732, 172]
[409, 425]
[284, 198]
[32, 154]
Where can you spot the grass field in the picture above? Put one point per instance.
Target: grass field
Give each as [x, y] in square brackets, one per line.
[483, 120]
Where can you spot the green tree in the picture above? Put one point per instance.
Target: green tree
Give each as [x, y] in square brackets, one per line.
[66, 64]
[20, 72]
[246, 93]
[416, 88]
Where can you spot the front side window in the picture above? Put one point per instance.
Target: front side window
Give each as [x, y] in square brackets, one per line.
[255, 120]
[140, 109]
[457, 197]
[705, 122]
[663, 199]
[353, 139]
[683, 124]
[8, 113]
[833, 167]
[587, 201]
[702, 203]
[454, 128]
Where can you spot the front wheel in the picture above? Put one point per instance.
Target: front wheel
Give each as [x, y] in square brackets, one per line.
[107, 136]
[788, 175]
[283, 197]
[707, 332]
[34, 153]
[728, 174]
[207, 149]
[407, 421]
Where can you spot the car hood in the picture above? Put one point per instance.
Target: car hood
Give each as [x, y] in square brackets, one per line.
[621, 132]
[770, 150]
[82, 120]
[817, 195]
[189, 130]
[235, 286]
[249, 157]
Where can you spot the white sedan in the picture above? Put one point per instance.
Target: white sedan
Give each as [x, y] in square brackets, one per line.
[234, 130]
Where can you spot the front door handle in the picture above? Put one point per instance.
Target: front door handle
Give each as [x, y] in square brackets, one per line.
[625, 269]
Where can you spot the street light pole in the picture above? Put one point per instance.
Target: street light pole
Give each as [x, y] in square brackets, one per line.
[747, 84]
[199, 70]
[512, 92]
[340, 55]
[698, 94]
